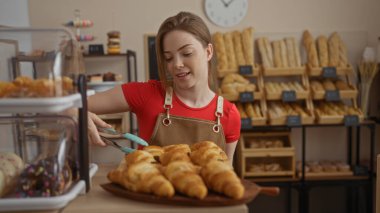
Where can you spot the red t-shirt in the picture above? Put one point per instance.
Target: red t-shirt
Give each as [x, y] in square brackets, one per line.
[146, 100]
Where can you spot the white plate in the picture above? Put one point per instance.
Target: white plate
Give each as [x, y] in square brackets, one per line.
[103, 86]
[40, 105]
[49, 203]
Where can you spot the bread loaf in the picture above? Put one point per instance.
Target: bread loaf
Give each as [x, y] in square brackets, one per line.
[269, 51]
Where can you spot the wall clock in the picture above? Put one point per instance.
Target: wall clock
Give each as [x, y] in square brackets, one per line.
[226, 13]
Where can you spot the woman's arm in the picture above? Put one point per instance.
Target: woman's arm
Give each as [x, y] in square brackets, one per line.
[230, 150]
[110, 101]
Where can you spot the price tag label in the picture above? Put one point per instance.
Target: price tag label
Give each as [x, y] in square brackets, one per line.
[246, 70]
[332, 95]
[293, 120]
[246, 123]
[351, 120]
[329, 72]
[289, 96]
[246, 97]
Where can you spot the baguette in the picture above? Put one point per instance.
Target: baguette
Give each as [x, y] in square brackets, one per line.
[231, 58]
[323, 51]
[277, 54]
[263, 53]
[284, 57]
[291, 54]
[268, 51]
[248, 46]
[334, 50]
[311, 50]
[236, 38]
[297, 54]
[220, 50]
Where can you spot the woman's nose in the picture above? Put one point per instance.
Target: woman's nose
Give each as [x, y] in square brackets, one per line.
[178, 63]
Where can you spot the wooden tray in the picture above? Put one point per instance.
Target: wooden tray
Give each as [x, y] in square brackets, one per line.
[212, 199]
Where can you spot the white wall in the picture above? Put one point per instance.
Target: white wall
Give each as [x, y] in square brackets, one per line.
[14, 13]
[136, 18]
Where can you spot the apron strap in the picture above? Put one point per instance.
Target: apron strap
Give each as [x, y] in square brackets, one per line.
[218, 114]
[168, 105]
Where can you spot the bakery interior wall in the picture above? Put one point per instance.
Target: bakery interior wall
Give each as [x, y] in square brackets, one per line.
[356, 21]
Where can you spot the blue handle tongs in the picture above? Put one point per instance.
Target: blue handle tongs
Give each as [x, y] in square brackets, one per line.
[107, 134]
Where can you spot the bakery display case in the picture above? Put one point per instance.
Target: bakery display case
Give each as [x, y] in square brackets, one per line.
[266, 154]
[43, 117]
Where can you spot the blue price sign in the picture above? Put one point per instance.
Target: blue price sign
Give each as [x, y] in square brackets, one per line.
[332, 95]
[246, 97]
[246, 123]
[293, 120]
[289, 96]
[351, 120]
[329, 72]
[246, 70]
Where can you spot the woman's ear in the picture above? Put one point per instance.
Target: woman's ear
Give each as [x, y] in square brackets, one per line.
[209, 51]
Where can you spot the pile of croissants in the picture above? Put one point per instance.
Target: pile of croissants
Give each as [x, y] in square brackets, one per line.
[188, 170]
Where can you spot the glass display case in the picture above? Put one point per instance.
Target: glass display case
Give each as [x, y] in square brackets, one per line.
[43, 120]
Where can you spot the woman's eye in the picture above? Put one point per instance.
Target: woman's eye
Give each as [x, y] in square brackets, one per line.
[188, 54]
[168, 59]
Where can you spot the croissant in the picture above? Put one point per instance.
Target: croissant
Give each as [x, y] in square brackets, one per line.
[177, 147]
[200, 144]
[174, 155]
[139, 156]
[183, 175]
[116, 175]
[206, 151]
[145, 177]
[220, 177]
[156, 151]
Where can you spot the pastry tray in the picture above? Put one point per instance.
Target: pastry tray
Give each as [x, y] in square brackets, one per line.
[103, 86]
[40, 105]
[49, 203]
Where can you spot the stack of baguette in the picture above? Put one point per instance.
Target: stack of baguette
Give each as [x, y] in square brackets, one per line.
[328, 84]
[278, 87]
[234, 49]
[189, 170]
[283, 53]
[325, 51]
[336, 109]
[250, 110]
[279, 109]
[233, 84]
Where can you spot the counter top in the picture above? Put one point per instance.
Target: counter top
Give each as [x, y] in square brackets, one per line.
[99, 200]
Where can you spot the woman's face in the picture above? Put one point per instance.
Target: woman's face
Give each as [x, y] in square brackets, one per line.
[186, 59]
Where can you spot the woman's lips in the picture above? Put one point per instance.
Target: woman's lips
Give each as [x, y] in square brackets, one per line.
[182, 75]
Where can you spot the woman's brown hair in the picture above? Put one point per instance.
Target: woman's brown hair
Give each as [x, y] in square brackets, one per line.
[192, 24]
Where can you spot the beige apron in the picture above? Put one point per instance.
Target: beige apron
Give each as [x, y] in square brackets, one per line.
[171, 129]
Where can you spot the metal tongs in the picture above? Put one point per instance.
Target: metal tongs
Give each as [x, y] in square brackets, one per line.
[107, 134]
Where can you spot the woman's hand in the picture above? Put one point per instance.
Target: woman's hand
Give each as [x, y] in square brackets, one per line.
[93, 135]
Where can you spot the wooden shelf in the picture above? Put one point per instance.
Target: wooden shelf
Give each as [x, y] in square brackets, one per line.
[105, 55]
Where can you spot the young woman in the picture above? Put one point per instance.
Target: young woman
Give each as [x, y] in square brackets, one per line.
[181, 107]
